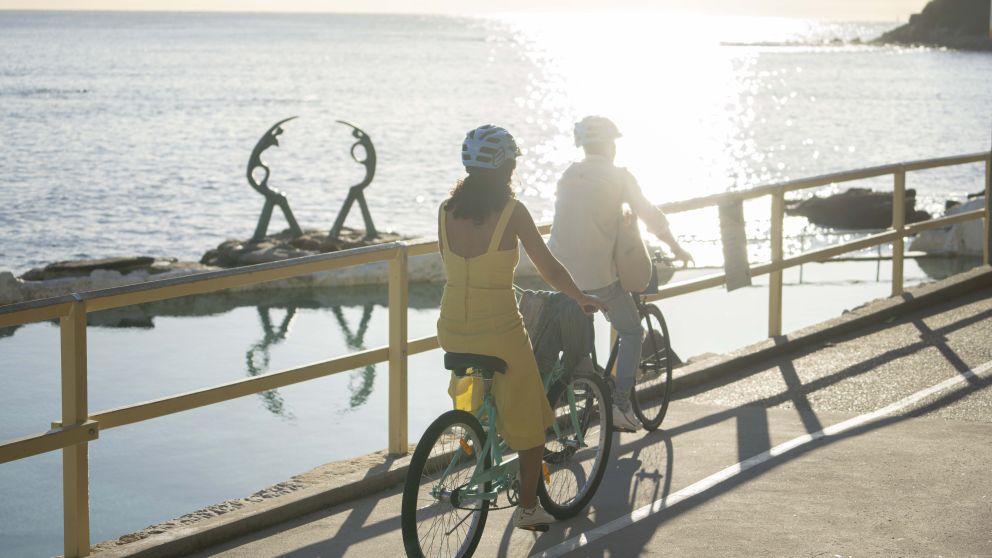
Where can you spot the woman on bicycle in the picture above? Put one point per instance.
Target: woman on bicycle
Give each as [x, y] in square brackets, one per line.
[587, 209]
[478, 230]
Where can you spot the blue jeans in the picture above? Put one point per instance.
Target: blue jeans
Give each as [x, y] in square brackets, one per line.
[625, 319]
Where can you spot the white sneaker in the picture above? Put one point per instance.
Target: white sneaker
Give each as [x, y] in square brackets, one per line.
[534, 519]
[625, 421]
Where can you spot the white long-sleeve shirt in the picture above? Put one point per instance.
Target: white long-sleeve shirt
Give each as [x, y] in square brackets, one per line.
[587, 213]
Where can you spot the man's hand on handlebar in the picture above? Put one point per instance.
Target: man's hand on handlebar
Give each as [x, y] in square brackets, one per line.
[681, 255]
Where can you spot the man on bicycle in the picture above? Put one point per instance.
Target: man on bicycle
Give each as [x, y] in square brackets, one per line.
[589, 199]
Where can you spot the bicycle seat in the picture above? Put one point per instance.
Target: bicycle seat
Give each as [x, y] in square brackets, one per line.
[459, 363]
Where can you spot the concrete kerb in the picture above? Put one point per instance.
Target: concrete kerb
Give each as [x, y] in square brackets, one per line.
[344, 481]
[880, 310]
[315, 490]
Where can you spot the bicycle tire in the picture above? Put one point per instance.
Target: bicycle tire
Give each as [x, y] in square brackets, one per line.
[649, 396]
[428, 458]
[564, 458]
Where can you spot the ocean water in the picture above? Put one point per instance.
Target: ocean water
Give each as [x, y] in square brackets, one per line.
[129, 134]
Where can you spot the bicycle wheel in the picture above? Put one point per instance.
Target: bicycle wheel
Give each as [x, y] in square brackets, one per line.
[575, 464]
[434, 521]
[653, 382]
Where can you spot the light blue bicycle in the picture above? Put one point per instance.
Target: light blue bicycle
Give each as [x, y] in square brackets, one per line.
[461, 466]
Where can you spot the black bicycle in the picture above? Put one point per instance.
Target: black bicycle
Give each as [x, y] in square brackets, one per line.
[652, 388]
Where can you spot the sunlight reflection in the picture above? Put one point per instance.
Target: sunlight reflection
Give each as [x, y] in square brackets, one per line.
[706, 105]
[684, 104]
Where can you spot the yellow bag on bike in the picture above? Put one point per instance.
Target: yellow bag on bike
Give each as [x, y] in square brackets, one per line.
[466, 393]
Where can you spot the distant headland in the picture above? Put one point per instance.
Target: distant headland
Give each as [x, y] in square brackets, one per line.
[960, 24]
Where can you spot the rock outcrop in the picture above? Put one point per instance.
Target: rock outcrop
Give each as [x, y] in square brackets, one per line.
[83, 268]
[960, 24]
[855, 209]
[63, 278]
[282, 246]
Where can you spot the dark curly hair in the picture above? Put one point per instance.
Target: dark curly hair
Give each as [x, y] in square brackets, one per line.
[482, 192]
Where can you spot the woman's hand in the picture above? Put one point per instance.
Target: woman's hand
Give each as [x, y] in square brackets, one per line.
[591, 304]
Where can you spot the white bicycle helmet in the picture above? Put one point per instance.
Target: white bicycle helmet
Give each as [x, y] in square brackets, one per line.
[595, 129]
[488, 147]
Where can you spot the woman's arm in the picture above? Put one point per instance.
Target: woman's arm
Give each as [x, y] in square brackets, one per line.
[547, 265]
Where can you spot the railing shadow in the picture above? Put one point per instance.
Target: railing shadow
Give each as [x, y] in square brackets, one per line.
[752, 424]
[637, 538]
[635, 463]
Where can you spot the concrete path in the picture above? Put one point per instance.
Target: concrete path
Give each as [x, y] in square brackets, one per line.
[912, 481]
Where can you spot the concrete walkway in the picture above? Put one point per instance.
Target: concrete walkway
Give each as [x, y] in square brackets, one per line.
[913, 481]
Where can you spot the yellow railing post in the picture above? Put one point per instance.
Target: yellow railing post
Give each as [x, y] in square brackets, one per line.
[898, 225]
[775, 276]
[75, 459]
[398, 294]
[987, 250]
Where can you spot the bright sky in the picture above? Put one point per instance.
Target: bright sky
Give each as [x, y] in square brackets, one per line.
[888, 10]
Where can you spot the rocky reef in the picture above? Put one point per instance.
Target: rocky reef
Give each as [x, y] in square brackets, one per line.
[282, 246]
[66, 277]
[62, 278]
[855, 209]
[959, 24]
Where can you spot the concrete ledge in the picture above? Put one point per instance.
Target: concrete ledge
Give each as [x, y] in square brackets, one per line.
[344, 481]
[880, 310]
[318, 489]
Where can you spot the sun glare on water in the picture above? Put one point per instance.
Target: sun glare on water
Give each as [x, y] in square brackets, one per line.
[678, 97]
[706, 104]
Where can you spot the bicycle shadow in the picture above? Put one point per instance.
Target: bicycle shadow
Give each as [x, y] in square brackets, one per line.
[636, 467]
[753, 435]
[636, 538]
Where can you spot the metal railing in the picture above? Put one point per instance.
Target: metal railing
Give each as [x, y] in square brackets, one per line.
[79, 426]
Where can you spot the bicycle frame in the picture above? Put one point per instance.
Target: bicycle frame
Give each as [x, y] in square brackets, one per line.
[500, 471]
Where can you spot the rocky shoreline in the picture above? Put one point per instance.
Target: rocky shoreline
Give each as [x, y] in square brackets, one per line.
[282, 246]
[957, 24]
[64, 278]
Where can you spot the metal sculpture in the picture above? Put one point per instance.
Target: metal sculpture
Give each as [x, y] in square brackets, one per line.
[356, 191]
[272, 197]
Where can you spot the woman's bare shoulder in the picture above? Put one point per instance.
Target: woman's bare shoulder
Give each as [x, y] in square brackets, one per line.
[521, 215]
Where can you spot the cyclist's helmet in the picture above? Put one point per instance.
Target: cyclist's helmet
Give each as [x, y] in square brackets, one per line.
[595, 129]
[488, 147]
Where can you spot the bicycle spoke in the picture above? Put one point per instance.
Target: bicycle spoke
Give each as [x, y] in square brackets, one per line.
[457, 525]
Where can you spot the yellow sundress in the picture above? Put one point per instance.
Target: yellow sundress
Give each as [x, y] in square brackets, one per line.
[479, 315]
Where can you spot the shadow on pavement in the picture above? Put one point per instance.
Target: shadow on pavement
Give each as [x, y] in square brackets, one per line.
[630, 471]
